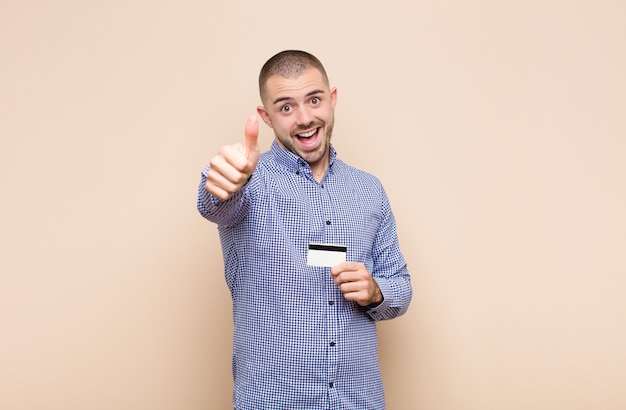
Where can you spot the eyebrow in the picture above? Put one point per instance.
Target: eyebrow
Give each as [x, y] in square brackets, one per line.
[310, 93]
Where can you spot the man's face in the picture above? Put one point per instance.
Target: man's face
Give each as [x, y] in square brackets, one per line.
[302, 113]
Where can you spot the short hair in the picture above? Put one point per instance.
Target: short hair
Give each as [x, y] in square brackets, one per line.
[289, 64]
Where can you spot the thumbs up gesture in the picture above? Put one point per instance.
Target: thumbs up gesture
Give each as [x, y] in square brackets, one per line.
[231, 168]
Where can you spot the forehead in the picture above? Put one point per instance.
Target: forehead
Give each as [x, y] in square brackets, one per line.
[279, 87]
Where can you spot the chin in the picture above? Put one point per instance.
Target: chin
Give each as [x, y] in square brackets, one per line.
[315, 156]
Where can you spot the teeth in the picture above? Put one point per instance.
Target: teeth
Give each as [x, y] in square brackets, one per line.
[307, 134]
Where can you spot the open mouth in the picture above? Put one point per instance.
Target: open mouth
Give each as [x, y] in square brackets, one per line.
[308, 139]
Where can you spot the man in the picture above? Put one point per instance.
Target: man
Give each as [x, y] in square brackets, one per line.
[304, 318]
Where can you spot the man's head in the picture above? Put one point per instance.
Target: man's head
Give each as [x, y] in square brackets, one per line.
[289, 64]
[299, 105]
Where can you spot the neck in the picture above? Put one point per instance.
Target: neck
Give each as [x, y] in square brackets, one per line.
[319, 168]
[318, 176]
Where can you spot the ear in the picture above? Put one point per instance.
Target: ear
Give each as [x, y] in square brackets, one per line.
[333, 96]
[264, 115]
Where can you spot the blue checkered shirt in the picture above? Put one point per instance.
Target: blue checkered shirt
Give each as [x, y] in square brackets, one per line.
[298, 344]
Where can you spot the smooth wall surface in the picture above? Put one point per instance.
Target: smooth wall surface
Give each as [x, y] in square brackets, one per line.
[498, 129]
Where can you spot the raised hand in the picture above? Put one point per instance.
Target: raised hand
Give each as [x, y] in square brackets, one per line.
[231, 168]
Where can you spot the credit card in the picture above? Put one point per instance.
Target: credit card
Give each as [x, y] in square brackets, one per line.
[326, 254]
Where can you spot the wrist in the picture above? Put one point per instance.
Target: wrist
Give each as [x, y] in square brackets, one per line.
[377, 299]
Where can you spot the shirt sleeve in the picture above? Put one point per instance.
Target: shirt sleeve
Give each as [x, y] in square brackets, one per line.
[390, 270]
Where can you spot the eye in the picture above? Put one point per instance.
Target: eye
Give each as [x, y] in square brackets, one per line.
[315, 100]
[285, 109]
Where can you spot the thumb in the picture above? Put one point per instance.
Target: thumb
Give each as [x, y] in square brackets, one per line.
[252, 135]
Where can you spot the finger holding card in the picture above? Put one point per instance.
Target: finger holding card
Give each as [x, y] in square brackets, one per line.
[356, 283]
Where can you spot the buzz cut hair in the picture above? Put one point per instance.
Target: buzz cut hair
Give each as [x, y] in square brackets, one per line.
[289, 64]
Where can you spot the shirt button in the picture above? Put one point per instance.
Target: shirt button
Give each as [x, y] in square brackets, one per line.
[332, 344]
[330, 385]
[331, 302]
[327, 222]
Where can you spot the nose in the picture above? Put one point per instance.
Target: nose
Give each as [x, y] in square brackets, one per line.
[304, 117]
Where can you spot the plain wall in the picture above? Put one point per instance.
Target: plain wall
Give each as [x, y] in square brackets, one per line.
[498, 129]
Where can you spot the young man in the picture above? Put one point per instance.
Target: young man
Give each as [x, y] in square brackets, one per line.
[310, 251]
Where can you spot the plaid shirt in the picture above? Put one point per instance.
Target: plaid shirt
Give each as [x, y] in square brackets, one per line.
[298, 344]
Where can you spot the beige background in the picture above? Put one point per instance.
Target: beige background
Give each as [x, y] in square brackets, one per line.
[498, 129]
